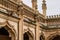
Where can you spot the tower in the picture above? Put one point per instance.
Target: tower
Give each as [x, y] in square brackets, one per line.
[44, 8]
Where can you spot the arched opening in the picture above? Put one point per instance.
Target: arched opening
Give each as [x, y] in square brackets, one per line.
[56, 38]
[4, 35]
[42, 37]
[28, 36]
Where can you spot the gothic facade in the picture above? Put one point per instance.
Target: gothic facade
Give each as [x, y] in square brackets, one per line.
[20, 22]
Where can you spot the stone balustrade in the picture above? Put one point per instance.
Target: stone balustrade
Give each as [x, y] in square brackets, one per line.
[53, 16]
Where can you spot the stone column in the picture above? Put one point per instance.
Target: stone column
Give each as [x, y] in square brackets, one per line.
[37, 28]
[20, 23]
[34, 4]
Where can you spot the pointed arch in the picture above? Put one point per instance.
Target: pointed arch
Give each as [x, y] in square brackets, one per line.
[10, 29]
[29, 34]
[53, 36]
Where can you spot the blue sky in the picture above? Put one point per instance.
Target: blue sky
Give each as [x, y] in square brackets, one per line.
[53, 6]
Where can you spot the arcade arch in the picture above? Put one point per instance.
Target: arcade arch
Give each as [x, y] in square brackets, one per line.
[7, 32]
[28, 36]
[54, 36]
[57, 37]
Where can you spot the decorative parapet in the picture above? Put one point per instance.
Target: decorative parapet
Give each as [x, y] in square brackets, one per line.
[53, 16]
[53, 21]
[9, 5]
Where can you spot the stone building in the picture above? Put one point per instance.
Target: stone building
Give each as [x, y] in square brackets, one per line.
[20, 22]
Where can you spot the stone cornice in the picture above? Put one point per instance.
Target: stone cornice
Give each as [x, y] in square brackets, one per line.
[5, 16]
[50, 27]
[49, 30]
[29, 25]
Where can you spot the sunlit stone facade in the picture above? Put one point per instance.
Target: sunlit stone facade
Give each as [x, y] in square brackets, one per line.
[20, 22]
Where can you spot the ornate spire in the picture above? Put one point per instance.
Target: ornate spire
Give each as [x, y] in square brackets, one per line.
[34, 4]
[44, 7]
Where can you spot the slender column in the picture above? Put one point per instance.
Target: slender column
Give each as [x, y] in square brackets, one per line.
[44, 8]
[37, 28]
[34, 4]
[20, 24]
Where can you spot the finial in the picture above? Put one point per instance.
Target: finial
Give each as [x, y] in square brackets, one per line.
[44, 7]
[44, 1]
[34, 4]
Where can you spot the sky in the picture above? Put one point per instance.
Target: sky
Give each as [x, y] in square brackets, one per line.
[53, 6]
